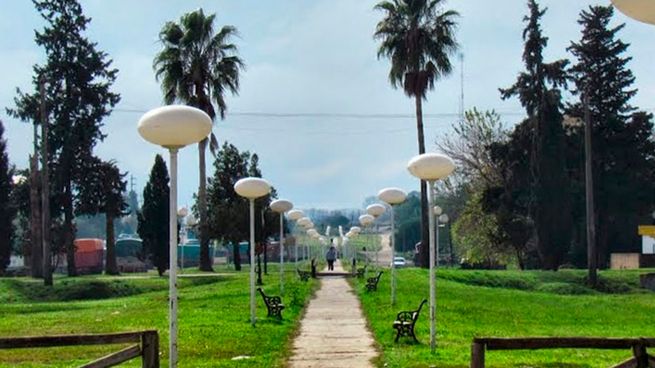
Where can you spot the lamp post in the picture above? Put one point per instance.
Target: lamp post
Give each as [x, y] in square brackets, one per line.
[295, 215]
[392, 197]
[641, 10]
[174, 127]
[431, 167]
[281, 206]
[376, 210]
[437, 211]
[443, 219]
[365, 221]
[252, 188]
[181, 215]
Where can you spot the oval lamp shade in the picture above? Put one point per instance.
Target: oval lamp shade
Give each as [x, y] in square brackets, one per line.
[303, 220]
[375, 209]
[308, 225]
[392, 196]
[349, 235]
[437, 210]
[295, 215]
[431, 166]
[641, 10]
[174, 126]
[366, 220]
[443, 219]
[252, 188]
[182, 212]
[355, 229]
[281, 205]
[191, 221]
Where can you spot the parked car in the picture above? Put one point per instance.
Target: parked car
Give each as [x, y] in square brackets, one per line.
[399, 262]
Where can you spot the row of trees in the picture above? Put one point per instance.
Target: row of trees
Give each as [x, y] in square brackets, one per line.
[525, 186]
[72, 95]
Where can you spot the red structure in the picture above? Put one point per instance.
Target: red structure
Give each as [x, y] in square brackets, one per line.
[89, 255]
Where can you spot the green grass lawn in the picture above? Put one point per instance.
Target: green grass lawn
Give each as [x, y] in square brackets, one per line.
[509, 304]
[213, 317]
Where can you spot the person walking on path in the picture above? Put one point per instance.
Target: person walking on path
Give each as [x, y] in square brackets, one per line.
[330, 257]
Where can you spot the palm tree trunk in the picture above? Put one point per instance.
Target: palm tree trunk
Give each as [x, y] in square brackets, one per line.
[205, 261]
[424, 255]
[111, 266]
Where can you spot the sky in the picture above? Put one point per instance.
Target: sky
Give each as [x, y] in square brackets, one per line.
[315, 102]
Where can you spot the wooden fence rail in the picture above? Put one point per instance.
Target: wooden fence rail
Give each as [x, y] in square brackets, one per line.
[640, 359]
[146, 346]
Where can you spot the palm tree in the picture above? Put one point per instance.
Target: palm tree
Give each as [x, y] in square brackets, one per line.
[197, 66]
[418, 37]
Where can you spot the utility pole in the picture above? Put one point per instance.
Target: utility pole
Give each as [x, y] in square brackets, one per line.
[45, 191]
[36, 251]
[589, 192]
[461, 87]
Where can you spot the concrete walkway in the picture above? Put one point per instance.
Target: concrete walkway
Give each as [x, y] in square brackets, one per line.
[333, 331]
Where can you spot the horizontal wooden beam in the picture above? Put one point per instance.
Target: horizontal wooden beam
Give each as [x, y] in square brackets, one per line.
[115, 358]
[67, 340]
[529, 343]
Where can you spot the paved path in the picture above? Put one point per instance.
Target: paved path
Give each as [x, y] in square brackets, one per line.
[333, 331]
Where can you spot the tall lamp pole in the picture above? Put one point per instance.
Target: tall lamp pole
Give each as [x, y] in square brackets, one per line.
[437, 211]
[392, 197]
[281, 206]
[252, 188]
[174, 127]
[376, 210]
[295, 215]
[365, 221]
[431, 167]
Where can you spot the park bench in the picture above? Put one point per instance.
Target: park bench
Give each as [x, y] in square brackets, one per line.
[361, 272]
[372, 282]
[304, 275]
[273, 304]
[405, 322]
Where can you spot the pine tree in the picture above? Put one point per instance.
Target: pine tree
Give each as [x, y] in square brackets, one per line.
[538, 89]
[78, 79]
[7, 210]
[154, 216]
[103, 194]
[622, 144]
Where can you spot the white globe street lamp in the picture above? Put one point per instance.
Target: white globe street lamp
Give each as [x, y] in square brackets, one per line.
[392, 197]
[437, 210]
[431, 167]
[295, 215]
[181, 215]
[281, 206]
[365, 221]
[641, 10]
[252, 188]
[174, 127]
[376, 210]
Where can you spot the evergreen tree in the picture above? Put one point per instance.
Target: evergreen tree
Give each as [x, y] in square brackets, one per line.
[154, 216]
[104, 194]
[228, 212]
[623, 148]
[538, 89]
[7, 210]
[78, 79]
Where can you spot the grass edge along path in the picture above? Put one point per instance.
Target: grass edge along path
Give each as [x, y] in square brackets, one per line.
[213, 323]
[465, 311]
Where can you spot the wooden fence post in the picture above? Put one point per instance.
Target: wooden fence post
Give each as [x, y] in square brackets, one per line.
[477, 355]
[150, 349]
[641, 357]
